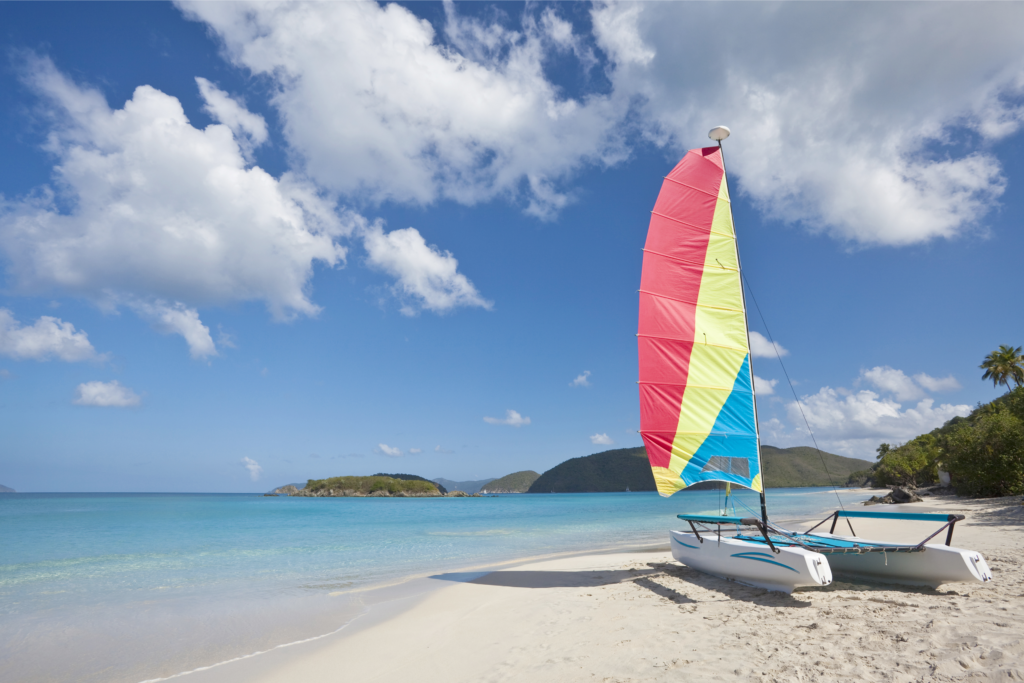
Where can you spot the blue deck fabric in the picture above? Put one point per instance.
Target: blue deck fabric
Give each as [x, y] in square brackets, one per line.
[814, 541]
[919, 516]
[712, 519]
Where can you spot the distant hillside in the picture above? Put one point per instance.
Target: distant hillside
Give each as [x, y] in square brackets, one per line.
[467, 486]
[280, 489]
[517, 482]
[608, 471]
[5, 489]
[628, 467]
[415, 477]
[801, 466]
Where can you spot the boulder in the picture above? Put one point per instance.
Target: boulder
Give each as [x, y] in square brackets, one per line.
[897, 496]
[458, 494]
[901, 495]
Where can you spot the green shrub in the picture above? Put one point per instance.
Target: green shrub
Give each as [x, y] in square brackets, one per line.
[912, 464]
[985, 457]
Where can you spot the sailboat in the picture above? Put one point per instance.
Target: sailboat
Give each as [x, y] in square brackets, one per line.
[698, 411]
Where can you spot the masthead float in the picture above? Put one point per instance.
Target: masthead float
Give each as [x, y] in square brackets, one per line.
[698, 414]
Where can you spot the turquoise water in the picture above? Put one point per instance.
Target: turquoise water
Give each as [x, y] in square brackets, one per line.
[136, 586]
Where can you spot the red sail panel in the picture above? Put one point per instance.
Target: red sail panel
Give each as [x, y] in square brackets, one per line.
[674, 257]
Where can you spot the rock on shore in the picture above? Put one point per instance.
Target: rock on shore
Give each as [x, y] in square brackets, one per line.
[897, 496]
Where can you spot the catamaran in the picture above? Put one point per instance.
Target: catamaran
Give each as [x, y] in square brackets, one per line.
[698, 411]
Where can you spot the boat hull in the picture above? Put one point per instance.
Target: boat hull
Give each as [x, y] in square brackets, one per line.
[935, 566]
[749, 563]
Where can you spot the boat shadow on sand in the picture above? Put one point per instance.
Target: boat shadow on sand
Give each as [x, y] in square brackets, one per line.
[674, 582]
[547, 579]
[668, 573]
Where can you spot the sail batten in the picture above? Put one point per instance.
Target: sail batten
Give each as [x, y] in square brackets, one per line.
[696, 387]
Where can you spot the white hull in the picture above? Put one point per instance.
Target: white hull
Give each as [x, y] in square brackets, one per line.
[938, 564]
[751, 563]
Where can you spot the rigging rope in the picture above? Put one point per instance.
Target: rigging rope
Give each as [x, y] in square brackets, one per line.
[795, 397]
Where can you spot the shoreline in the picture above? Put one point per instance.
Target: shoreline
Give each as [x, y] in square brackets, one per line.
[389, 600]
[549, 619]
[384, 598]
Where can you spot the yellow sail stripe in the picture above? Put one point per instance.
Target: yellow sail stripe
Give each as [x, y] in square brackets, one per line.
[719, 316]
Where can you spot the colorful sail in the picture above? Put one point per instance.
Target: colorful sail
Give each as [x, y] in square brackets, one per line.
[696, 388]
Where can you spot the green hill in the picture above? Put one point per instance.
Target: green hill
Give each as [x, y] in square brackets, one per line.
[801, 466]
[628, 467]
[608, 471]
[517, 482]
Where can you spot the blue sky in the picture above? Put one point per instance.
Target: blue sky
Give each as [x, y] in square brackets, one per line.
[367, 228]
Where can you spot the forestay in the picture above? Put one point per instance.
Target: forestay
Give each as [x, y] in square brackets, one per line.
[697, 413]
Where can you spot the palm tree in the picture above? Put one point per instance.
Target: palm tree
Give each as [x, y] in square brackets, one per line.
[1004, 364]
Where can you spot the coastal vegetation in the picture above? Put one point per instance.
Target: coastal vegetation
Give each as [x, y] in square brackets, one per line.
[517, 482]
[1004, 364]
[378, 486]
[983, 453]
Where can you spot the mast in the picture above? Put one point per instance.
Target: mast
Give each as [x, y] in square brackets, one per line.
[718, 134]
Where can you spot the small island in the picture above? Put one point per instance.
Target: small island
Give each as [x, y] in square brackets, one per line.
[377, 486]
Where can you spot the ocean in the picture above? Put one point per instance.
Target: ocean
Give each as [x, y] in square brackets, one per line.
[143, 586]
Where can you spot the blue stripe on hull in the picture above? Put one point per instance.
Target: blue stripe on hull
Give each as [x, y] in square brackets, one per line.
[751, 556]
[685, 545]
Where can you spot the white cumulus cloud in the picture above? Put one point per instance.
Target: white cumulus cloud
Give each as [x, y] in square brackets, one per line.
[254, 468]
[414, 451]
[582, 380]
[149, 208]
[764, 387]
[47, 338]
[384, 449]
[760, 347]
[847, 118]
[893, 381]
[250, 130]
[375, 103]
[854, 423]
[601, 439]
[948, 383]
[106, 394]
[179, 319]
[512, 419]
[427, 277]
[903, 387]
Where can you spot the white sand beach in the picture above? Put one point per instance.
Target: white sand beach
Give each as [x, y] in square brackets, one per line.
[642, 617]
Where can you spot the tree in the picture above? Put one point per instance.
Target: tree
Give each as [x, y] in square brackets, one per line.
[1003, 365]
[986, 458]
[912, 464]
